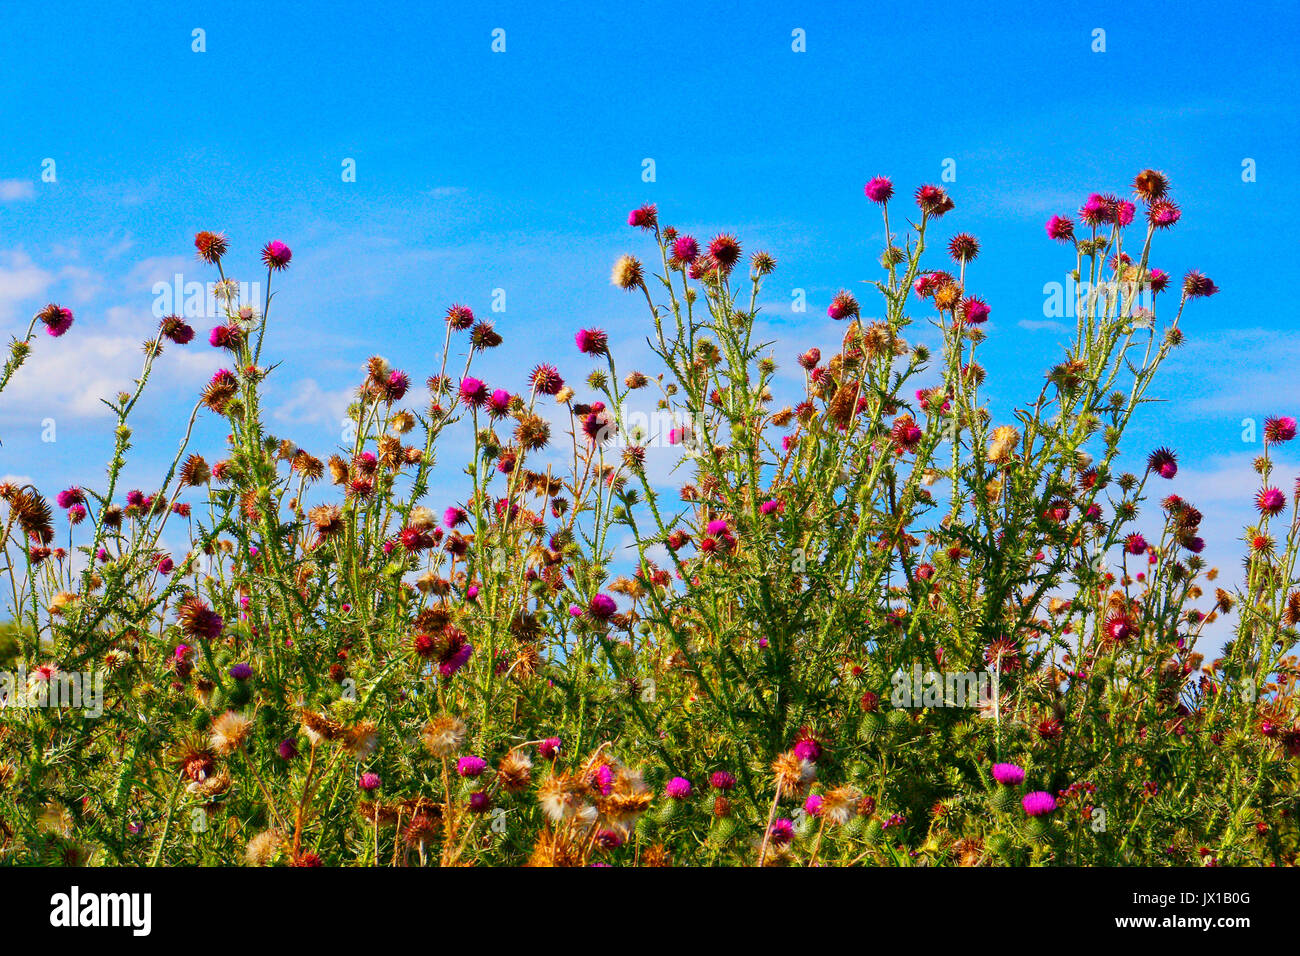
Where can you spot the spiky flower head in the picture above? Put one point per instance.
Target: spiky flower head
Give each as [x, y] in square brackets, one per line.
[211, 246]
[276, 255]
[1008, 774]
[592, 342]
[1164, 462]
[1198, 284]
[56, 319]
[879, 189]
[1060, 228]
[627, 273]
[443, 735]
[1039, 803]
[724, 251]
[963, 247]
[933, 201]
[644, 217]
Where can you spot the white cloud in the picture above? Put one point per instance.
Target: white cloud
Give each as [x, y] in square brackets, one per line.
[12, 190]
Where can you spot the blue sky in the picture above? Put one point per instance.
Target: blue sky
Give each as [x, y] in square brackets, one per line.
[478, 170]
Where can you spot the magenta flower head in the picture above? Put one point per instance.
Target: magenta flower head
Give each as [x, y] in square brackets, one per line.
[1270, 501]
[164, 565]
[843, 306]
[974, 310]
[592, 342]
[933, 200]
[241, 671]
[769, 506]
[276, 255]
[1124, 212]
[498, 403]
[549, 748]
[645, 217]
[1277, 430]
[1163, 213]
[678, 788]
[56, 319]
[369, 781]
[1008, 774]
[602, 607]
[813, 805]
[1163, 462]
[1038, 804]
[470, 766]
[457, 660]
[287, 749]
[71, 496]
[454, 516]
[1135, 544]
[721, 780]
[808, 750]
[781, 832]
[879, 189]
[473, 392]
[1060, 228]
[717, 526]
[479, 802]
[685, 249]
[77, 514]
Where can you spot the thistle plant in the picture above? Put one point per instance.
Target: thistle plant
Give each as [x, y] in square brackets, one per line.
[868, 620]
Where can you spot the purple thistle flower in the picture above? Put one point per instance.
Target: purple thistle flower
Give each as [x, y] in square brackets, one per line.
[678, 788]
[1008, 774]
[1038, 804]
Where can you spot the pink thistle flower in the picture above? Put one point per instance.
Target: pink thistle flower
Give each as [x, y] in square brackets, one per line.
[56, 319]
[1038, 804]
[933, 201]
[226, 337]
[71, 496]
[1008, 774]
[470, 766]
[369, 781]
[276, 255]
[77, 514]
[974, 310]
[287, 749]
[498, 403]
[1270, 501]
[454, 516]
[457, 660]
[164, 565]
[781, 832]
[1135, 544]
[685, 249]
[645, 217]
[678, 788]
[1060, 228]
[721, 780]
[1163, 213]
[1157, 281]
[879, 189]
[1097, 210]
[473, 392]
[1164, 462]
[549, 748]
[771, 505]
[1278, 430]
[1124, 212]
[717, 527]
[602, 607]
[843, 306]
[592, 342]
